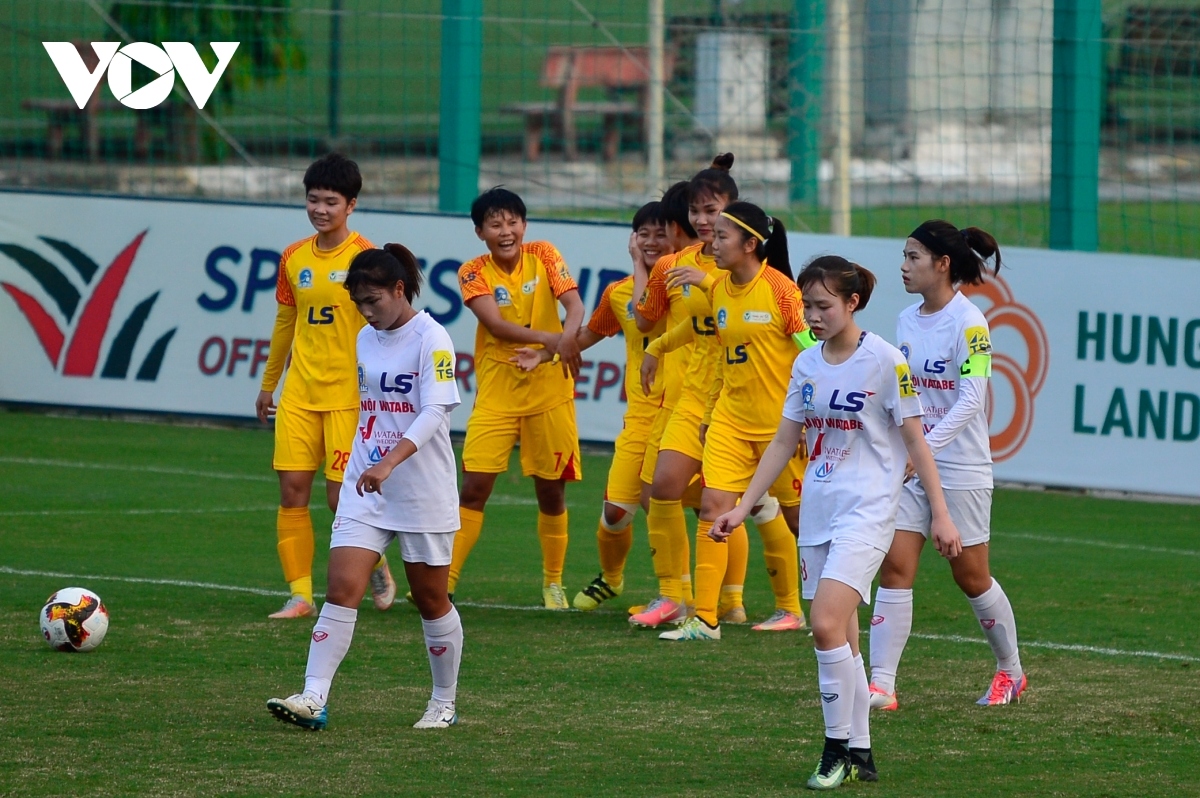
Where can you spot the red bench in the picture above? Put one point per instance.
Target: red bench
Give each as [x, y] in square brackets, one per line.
[569, 69]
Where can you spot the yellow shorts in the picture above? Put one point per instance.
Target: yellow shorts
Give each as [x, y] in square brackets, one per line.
[682, 433]
[625, 473]
[650, 458]
[549, 443]
[303, 438]
[729, 464]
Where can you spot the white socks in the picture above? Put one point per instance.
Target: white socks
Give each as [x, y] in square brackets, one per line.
[837, 679]
[860, 720]
[995, 615]
[891, 624]
[443, 642]
[330, 641]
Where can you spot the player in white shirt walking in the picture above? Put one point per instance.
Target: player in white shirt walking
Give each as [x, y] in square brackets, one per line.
[853, 399]
[400, 484]
[948, 346]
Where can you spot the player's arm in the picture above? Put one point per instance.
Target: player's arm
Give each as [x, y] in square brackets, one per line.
[679, 335]
[779, 451]
[568, 344]
[281, 345]
[529, 359]
[975, 368]
[942, 530]
[652, 302]
[488, 313]
[690, 275]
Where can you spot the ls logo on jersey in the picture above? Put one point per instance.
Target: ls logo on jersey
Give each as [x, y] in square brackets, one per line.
[503, 299]
[737, 355]
[905, 382]
[321, 315]
[400, 383]
[84, 329]
[854, 401]
[443, 365]
[935, 366]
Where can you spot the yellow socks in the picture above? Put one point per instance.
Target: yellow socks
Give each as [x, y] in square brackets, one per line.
[783, 563]
[294, 531]
[470, 524]
[667, 526]
[735, 573]
[614, 547]
[711, 560]
[552, 532]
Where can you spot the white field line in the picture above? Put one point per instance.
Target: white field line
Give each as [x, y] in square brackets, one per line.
[498, 500]
[1103, 544]
[148, 511]
[257, 591]
[1110, 652]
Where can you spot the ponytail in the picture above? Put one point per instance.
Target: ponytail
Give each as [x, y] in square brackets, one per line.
[968, 249]
[383, 268]
[771, 234]
[840, 277]
[715, 180]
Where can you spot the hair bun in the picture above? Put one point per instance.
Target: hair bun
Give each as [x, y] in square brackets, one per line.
[724, 161]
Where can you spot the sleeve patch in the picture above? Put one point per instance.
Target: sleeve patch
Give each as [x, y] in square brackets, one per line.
[905, 382]
[443, 365]
[979, 365]
[978, 341]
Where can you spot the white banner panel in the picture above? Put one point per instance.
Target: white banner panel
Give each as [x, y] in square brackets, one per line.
[167, 306]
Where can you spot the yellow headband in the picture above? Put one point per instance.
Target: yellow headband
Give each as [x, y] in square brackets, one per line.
[745, 227]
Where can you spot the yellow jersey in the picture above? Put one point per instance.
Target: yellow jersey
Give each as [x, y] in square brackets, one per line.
[323, 374]
[755, 325]
[528, 297]
[614, 315]
[683, 304]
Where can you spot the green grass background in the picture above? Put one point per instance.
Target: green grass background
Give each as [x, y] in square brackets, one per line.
[551, 703]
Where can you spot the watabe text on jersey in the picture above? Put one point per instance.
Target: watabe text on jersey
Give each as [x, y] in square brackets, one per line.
[852, 414]
[399, 372]
[943, 349]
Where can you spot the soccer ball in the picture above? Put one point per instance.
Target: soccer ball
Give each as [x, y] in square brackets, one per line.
[74, 619]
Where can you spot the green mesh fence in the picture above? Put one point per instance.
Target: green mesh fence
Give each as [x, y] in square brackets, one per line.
[948, 111]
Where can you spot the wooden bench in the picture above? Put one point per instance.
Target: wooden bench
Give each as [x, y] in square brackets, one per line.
[569, 69]
[1156, 78]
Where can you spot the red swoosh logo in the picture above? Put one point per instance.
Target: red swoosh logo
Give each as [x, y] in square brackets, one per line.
[84, 350]
[48, 334]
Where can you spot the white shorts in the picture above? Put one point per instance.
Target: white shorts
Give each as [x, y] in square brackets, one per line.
[970, 510]
[850, 562]
[431, 548]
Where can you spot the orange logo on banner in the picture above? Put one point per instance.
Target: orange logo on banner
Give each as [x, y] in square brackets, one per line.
[1025, 380]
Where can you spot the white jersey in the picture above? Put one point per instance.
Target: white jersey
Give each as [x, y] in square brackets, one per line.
[943, 349]
[852, 414]
[399, 372]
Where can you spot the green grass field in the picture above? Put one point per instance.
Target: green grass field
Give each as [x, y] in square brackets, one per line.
[551, 704]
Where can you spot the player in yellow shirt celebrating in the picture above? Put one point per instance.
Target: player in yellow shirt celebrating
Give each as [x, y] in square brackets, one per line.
[678, 288]
[514, 292]
[614, 315]
[759, 324]
[317, 324]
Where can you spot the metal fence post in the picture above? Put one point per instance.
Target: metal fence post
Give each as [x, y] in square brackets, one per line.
[807, 57]
[1075, 125]
[459, 123]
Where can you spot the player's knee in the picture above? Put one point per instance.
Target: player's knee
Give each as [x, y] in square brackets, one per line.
[431, 603]
[828, 631]
[617, 516]
[766, 510]
[551, 496]
[896, 574]
[475, 492]
[973, 582]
